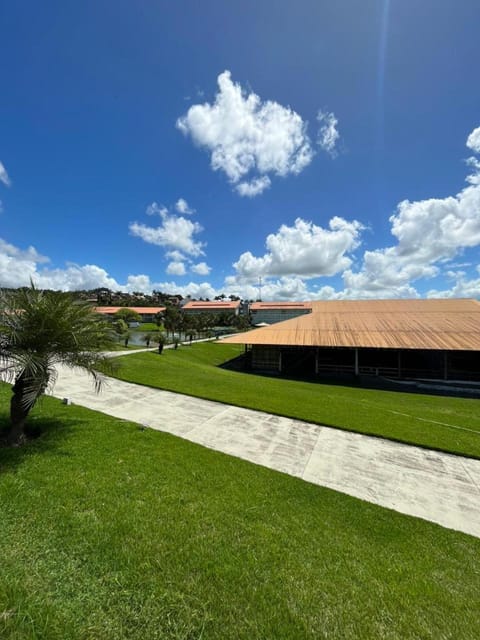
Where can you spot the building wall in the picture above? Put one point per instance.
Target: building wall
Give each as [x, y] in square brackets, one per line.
[211, 310]
[266, 358]
[271, 316]
[389, 363]
[148, 317]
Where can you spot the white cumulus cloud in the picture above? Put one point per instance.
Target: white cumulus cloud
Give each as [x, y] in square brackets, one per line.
[175, 268]
[463, 287]
[304, 249]
[248, 138]
[18, 267]
[201, 268]
[328, 134]
[29, 255]
[473, 140]
[284, 288]
[174, 232]
[254, 187]
[192, 289]
[428, 232]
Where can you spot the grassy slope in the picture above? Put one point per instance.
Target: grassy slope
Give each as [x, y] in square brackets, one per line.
[111, 532]
[406, 417]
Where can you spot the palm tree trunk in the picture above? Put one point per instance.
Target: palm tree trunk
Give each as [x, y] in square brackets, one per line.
[19, 411]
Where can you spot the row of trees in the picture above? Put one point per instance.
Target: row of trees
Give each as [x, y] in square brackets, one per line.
[106, 297]
[176, 321]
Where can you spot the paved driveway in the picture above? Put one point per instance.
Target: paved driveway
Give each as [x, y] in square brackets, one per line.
[439, 487]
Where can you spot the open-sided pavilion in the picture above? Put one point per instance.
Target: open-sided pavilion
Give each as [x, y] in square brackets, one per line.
[437, 339]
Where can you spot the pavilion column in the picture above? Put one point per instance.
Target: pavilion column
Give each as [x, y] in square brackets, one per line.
[399, 363]
[445, 365]
[280, 361]
[356, 361]
[316, 361]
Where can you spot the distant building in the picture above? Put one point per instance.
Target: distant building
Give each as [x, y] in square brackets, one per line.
[147, 313]
[272, 312]
[215, 306]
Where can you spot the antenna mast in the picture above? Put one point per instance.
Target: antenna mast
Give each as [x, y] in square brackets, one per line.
[260, 288]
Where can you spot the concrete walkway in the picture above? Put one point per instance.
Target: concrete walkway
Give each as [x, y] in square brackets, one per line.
[435, 486]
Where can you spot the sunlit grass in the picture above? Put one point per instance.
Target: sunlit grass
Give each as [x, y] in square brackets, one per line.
[445, 423]
[108, 531]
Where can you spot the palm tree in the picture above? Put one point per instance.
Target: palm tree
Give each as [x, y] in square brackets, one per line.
[171, 320]
[161, 342]
[147, 338]
[202, 320]
[38, 330]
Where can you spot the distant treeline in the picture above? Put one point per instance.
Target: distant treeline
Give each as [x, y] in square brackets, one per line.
[106, 297]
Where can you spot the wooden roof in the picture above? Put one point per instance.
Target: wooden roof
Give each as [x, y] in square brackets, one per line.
[447, 324]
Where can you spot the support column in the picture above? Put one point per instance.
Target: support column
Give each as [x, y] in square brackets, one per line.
[316, 361]
[445, 365]
[399, 364]
[280, 361]
[356, 361]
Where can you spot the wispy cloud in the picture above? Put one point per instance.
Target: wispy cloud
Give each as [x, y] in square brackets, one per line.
[175, 233]
[183, 207]
[4, 176]
[328, 134]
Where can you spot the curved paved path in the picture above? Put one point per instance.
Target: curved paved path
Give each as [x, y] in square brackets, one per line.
[435, 486]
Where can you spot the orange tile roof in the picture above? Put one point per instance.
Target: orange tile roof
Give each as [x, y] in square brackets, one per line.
[215, 304]
[449, 324]
[111, 310]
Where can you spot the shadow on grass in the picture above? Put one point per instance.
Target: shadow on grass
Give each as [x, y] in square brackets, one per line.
[239, 363]
[43, 434]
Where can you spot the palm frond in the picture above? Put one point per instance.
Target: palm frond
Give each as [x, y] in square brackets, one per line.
[40, 329]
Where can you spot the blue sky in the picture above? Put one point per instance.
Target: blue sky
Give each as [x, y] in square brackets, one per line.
[331, 149]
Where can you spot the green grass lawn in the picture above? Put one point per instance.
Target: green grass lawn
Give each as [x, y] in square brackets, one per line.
[448, 424]
[108, 531]
[148, 326]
